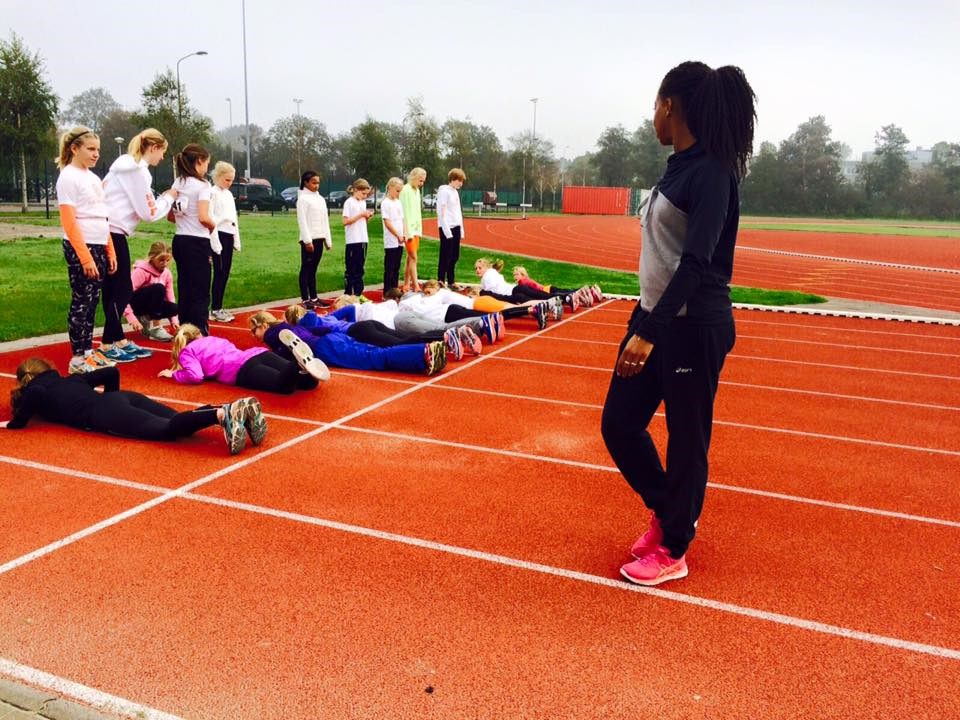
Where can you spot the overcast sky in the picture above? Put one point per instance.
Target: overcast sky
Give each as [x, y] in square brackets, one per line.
[860, 64]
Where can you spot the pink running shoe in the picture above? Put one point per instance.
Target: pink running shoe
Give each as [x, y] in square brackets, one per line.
[573, 299]
[469, 340]
[654, 568]
[499, 325]
[597, 295]
[452, 339]
[649, 541]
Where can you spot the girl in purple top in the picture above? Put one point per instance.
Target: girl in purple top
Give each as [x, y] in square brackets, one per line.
[198, 357]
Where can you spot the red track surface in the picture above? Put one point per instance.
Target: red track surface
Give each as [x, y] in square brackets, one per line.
[614, 242]
[407, 548]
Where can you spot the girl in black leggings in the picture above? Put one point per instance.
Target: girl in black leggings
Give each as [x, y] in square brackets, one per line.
[74, 401]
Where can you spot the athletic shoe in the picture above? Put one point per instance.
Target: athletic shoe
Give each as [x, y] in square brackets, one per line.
[469, 340]
[159, 334]
[131, 348]
[435, 357]
[144, 325]
[650, 540]
[308, 304]
[655, 567]
[573, 300]
[81, 365]
[253, 420]
[302, 353]
[234, 431]
[117, 354]
[540, 313]
[488, 329]
[499, 326]
[557, 308]
[452, 340]
[221, 316]
[597, 295]
[101, 360]
[586, 297]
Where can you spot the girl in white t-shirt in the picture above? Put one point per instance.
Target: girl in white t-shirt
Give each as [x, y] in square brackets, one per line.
[393, 238]
[191, 243]
[87, 246]
[225, 238]
[355, 216]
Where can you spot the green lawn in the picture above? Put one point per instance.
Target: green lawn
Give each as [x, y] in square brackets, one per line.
[35, 294]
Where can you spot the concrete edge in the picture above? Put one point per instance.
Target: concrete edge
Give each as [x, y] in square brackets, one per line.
[15, 696]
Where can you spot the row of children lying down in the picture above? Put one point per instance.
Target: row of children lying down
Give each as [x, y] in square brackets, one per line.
[437, 323]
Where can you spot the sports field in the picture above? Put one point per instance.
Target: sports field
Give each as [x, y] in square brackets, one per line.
[448, 547]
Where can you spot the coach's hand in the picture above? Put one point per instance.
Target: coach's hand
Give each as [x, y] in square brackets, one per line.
[634, 355]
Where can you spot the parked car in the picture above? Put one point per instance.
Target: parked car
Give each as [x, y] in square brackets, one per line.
[289, 196]
[257, 196]
[337, 198]
[375, 201]
[429, 201]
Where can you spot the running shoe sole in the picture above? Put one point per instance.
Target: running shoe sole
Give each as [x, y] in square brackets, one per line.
[304, 356]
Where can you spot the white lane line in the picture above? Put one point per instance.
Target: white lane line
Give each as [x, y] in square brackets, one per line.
[836, 328]
[106, 479]
[577, 576]
[100, 700]
[856, 261]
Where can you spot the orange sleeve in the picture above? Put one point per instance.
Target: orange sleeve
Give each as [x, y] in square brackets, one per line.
[68, 219]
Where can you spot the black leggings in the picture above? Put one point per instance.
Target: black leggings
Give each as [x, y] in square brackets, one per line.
[151, 300]
[222, 263]
[309, 262]
[191, 253]
[449, 254]
[455, 313]
[519, 295]
[271, 373]
[129, 414]
[374, 332]
[116, 291]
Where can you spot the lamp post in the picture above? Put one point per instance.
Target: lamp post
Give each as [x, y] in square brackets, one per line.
[533, 144]
[119, 141]
[230, 107]
[246, 96]
[299, 134]
[179, 101]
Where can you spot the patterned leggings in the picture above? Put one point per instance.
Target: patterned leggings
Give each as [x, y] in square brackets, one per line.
[85, 296]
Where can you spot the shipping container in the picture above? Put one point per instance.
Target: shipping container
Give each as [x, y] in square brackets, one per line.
[580, 200]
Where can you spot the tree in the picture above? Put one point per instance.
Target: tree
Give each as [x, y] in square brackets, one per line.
[763, 186]
[615, 158]
[91, 108]
[372, 153]
[297, 143]
[27, 107]
[810, 163]
[649, 156]
[888, 172]
[420, 138]
[117, 123]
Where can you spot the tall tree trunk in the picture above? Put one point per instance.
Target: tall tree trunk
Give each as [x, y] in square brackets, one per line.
[23, 181]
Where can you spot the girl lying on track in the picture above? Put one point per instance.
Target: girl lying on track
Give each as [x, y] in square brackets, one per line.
[492, 283]
[539, 310]
[586, 295]
[197, 357]
[341, 350]
[75, 402]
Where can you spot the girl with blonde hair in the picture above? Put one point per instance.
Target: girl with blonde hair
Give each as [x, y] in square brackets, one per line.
[224, 238]
[412, 203]
[87, 245]
[152, 297]
[391, 210]
[355, 216]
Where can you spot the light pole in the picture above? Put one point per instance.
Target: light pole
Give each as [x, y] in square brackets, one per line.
[246, 96]
[119, 141]
[299, 135]
[179, 101]
[533, 145]
[230, 106]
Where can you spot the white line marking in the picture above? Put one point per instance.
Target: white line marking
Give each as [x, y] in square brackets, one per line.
[857, 261]
[75, 691]
[790, 323]
[621, 585]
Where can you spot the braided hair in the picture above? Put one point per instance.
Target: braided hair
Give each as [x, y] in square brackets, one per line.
[718, 107]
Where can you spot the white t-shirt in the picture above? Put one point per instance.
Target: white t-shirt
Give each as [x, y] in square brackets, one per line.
[383, 312]
[355, 232]
[391, 210]
[188, 219]
[449, 214]
[492, 281]
[83, 190]
[429, 308]
[449, 297]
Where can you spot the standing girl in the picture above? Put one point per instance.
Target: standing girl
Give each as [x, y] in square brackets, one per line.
[129, 192]
[412, 204]
[314, 223]
[224, 239]
[450, 225]
[682, 329]
[393, 238]
[153, 298]
[191, 243]
[355, 216]
[87, 246]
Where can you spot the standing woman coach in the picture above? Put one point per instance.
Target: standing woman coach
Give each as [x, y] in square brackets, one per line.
[682, 329]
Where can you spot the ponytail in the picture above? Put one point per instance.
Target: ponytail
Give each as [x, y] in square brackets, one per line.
[144, 140]
[719, 108]
[69, 141]
[26, 372]
[186, 161]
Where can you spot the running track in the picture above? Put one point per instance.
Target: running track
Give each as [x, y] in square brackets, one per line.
[406, 547]
[902, 270]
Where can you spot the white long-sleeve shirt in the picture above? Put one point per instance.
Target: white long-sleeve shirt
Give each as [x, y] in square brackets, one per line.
[129, 194]
[492, 281]
[449, 214]
[223, 212]
[312, 217]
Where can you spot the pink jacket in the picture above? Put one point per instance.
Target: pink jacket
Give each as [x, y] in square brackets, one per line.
[146, 274]
[213, 358]
[532, 284]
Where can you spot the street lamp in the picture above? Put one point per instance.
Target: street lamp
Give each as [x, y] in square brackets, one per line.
[179, 101]
[299, 135]
[533, 144]
[119, 141]
[230, 106]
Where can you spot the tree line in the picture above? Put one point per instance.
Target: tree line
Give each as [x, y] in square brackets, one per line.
[800, 176]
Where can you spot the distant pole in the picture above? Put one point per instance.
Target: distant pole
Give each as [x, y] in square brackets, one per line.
[119, 141]
[230, 106]
[246, 96]
[179, 101]
[299, 134]
[533, 147]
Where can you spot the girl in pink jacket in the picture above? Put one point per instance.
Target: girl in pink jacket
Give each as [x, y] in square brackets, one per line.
[197, 357]
[153, 298]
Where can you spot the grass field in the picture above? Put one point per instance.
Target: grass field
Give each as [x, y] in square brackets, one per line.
[35, 295]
